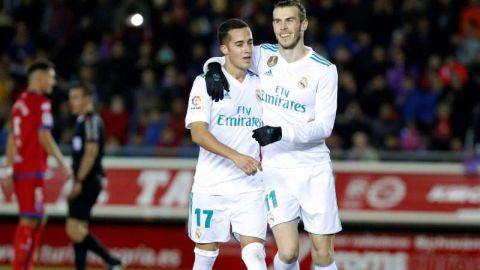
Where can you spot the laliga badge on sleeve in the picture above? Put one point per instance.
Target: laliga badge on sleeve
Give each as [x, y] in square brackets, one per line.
[272, 61]
[196, 103]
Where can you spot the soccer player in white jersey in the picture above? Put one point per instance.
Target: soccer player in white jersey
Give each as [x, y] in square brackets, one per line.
[299, 97]
[228, 194]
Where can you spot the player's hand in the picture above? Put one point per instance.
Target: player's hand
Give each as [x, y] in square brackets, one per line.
[267, 135]
[247, 164]
[76, 190]
[68, 174]
[7, 185]
[216, 81]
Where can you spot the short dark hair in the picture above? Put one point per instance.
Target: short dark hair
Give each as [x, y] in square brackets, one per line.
[43, 65]
[227, 26]
[302, 12]
[87, 88]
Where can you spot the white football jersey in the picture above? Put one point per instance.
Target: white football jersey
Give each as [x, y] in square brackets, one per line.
[301, 97]
[231, 121]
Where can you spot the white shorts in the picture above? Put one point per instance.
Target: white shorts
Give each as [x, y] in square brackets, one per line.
[307, 193]
[212, 218]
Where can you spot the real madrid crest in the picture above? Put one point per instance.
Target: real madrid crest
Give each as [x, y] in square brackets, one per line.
[272, 61]
[303, 83]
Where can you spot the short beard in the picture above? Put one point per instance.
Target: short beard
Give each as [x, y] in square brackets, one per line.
[294, 43]
[291, 46]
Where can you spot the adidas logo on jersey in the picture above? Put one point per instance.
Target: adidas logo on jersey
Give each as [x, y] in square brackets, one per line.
[269, 73]
[226, 94]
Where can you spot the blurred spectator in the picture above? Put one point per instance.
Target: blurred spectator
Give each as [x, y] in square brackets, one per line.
[361, 149]
[442, 132]
[165, 55]
[474, 72]
[461, 104]
[176, 122]
[470, 16]
[431, 72]
[115, 74]
[187, 148]
[64, 123]
[145, 60]
[375, 94]
[397, 73]
[452, 68]
[444, 16]
[338, 37]
[385, 19]
[347, 91]
[410, 137]
[386, 124]
[419, 42]
[7, 85]
[89, 54]
[116, 120]
[469, 46]
[147, 95]
[168, 139]
[409, 71]
[58, 21]
[155, 125]
[22, 45]
[376, 65]
[417, 105]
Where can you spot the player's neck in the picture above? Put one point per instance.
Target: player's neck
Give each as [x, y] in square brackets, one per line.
[293, 54]
[34, 89]
[87, 110]
[238, 74]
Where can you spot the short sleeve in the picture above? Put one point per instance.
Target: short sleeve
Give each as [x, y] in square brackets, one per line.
[92, 129]
[44, 117]
[199, 104]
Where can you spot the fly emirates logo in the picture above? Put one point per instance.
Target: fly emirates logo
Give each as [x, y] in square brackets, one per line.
[243, 118]
[281, 99]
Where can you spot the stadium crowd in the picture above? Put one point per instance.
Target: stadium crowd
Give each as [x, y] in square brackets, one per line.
[409, 71]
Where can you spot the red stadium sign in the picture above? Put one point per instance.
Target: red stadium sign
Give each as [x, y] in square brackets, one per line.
[366, 192]
[159, 247]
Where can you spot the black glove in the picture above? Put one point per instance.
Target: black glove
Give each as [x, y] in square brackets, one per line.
[267, 135]
[216, 81]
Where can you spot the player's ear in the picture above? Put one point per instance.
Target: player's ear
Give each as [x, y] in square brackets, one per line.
[224, 49]
[304, 25]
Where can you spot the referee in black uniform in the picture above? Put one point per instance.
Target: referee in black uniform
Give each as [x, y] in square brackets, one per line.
[87, 153]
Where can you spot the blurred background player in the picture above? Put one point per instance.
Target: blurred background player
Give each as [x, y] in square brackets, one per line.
[28, 146]
[227, 193]
[299, 97]
[87, 153]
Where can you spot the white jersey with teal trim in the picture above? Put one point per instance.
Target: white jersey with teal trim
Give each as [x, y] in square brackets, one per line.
[231, 121]
[301, 97]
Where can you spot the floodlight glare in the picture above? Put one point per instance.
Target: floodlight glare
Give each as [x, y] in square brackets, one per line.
[136, 19]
